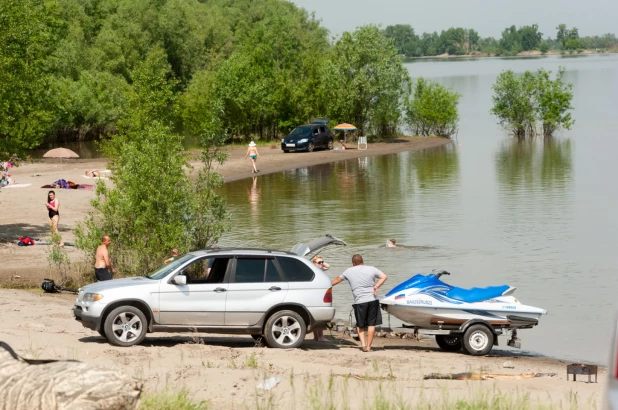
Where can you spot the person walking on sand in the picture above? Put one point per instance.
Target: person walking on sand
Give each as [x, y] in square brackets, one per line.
[102, 264]
[252, 152]
[364, 287]
[175, 254]
[318, 260]
[53, 206]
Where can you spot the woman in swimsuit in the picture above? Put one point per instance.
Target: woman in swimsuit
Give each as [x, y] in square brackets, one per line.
[318, 260]
[53, 205]
[93, 173]
[253, 153]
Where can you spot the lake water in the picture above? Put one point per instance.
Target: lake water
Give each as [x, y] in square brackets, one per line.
[540, 216]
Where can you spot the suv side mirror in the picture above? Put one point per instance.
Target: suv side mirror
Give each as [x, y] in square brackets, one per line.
[180, 280]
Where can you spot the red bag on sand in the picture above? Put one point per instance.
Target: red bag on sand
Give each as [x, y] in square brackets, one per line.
[25, 241]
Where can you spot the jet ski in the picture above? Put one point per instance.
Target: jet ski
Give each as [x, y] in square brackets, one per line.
[468, 319]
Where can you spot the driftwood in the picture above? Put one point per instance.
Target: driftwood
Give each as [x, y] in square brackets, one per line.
[62, 385]
[485, 376]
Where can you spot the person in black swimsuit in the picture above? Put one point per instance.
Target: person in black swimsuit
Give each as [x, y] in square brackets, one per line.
[53, 211]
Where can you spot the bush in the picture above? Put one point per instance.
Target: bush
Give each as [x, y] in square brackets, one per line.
[521, 102]
[432, 109]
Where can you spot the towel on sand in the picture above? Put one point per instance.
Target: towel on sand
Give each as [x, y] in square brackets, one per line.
[16, 186]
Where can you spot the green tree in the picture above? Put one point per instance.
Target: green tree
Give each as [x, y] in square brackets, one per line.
[530, 37]
[513, 102]
[153, 205]
[544, 47]
[365, 81]
[521, 102]
[404, 39]
[562, 35]
[432, 110]
[553, 99]
[28, 36]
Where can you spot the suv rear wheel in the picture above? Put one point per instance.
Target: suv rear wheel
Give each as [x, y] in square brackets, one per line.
[125, 326]
[285, 329]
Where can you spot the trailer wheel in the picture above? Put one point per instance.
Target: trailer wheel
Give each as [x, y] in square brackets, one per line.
[448, 343]
[478, 340]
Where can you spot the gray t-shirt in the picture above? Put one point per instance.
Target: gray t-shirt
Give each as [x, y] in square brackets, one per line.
[362, 278]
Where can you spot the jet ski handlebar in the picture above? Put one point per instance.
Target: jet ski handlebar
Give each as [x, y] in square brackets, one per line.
[440, 272]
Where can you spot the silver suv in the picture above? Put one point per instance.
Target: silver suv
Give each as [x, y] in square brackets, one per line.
[277, 295]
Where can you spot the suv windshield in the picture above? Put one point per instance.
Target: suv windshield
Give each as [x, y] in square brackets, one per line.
[164, 270]
[300, 130]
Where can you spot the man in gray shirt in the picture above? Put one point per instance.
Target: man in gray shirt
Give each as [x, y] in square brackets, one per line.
[364, 282]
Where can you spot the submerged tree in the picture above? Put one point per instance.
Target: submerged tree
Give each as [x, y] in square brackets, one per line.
[432, 109]
[553, 98]
[521, 102]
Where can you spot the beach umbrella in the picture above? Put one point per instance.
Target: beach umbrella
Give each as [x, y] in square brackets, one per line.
[345, 127]
[60, 153]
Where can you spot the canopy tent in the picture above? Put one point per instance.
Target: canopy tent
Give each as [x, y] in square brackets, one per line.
[60, 153]
[345, 127]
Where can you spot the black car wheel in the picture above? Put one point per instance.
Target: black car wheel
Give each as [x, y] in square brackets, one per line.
[448, 343]
[310, 147]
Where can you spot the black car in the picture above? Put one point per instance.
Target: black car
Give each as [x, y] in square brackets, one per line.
[307, 138]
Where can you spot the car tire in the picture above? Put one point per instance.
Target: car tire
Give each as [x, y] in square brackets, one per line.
[478, 340]
[448, 343]
[330, 145]
[102, 333]
[125, 326]
[310, 147]
[285, 329]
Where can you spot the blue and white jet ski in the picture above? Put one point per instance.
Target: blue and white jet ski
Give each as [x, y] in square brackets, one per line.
[425, 302]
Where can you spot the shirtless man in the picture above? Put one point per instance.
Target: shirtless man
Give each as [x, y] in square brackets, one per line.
[102, 265]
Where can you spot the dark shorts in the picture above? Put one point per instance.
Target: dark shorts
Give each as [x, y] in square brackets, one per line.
[368, 314]
[102, 274]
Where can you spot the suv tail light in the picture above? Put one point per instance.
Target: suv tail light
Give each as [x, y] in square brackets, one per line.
[328, 296]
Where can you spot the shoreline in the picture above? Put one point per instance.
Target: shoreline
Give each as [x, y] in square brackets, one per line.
[23, 212]
[232, 365]
[523, 54]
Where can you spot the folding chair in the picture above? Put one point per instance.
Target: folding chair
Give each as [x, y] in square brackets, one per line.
[362, 141]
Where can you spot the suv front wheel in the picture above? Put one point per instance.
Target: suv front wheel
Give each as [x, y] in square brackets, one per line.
[125, 326]
[285, 330]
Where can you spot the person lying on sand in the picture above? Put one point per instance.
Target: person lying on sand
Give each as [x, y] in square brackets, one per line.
[93, 173]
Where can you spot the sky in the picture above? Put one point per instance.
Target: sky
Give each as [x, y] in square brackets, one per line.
[487, 17]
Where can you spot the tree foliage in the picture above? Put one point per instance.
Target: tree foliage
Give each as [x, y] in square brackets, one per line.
[154, 205]
[365, 82]
[522, 103]
[432, 110]
[29, 30]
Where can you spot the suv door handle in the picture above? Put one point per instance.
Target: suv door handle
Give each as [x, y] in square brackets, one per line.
[274, 288]
[219, 290]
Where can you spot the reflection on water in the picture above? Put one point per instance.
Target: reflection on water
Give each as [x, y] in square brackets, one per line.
[541, 162]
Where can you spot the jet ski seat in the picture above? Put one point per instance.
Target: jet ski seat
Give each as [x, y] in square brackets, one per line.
[478, 294]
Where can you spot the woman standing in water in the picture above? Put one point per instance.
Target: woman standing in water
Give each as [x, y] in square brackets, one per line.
[53, 206]
[252, 152]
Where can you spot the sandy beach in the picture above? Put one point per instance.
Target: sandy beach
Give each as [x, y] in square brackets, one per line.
[23, 212]
[225, 370]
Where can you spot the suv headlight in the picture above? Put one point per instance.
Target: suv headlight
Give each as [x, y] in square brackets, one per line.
[304, 140]
[92, 297]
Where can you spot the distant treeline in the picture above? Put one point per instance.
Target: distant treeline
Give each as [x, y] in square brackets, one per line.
[461, 41]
